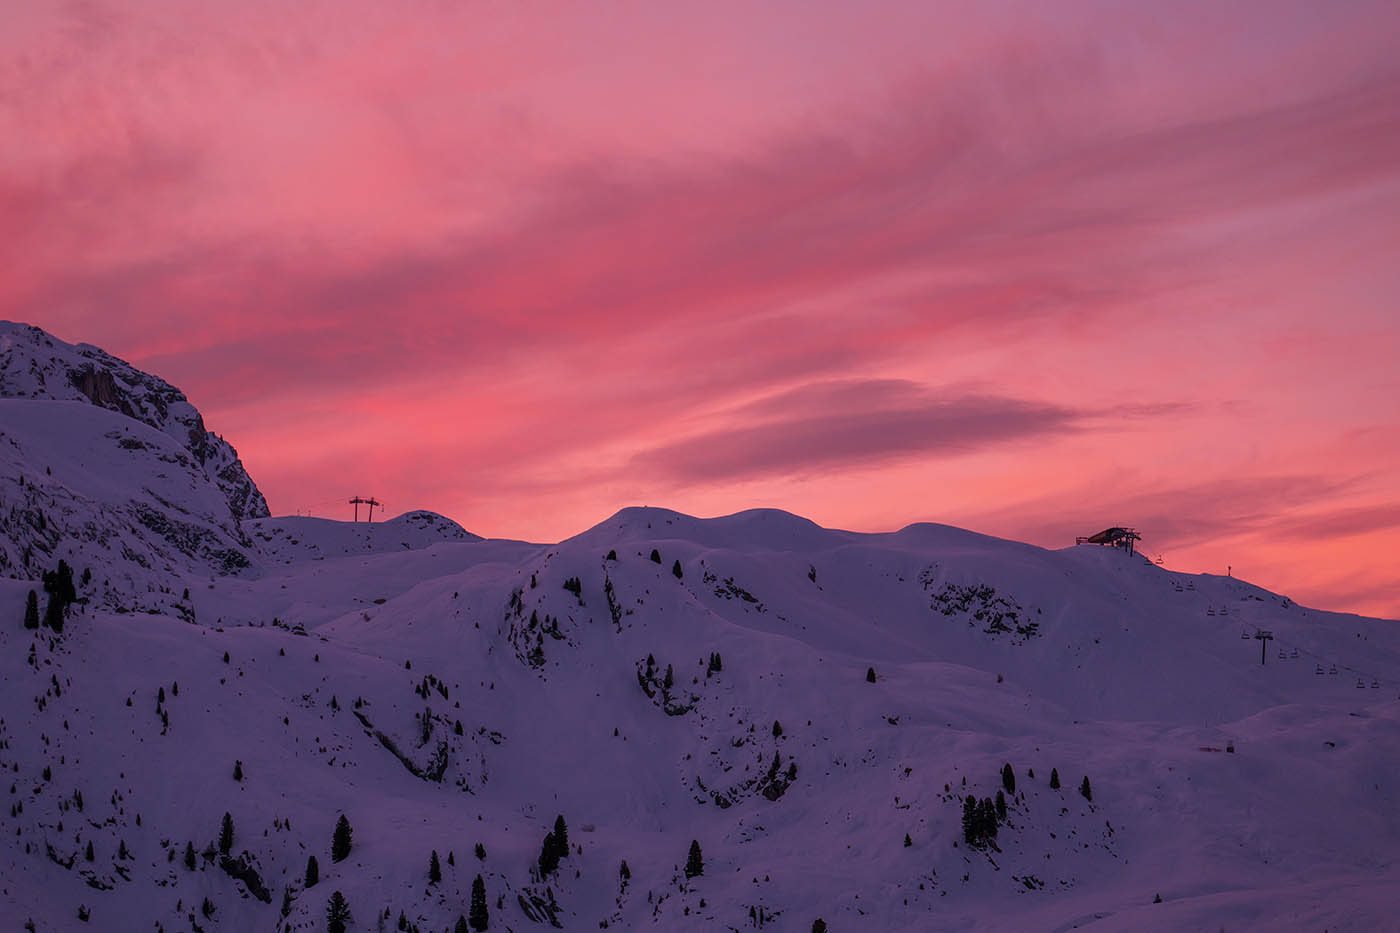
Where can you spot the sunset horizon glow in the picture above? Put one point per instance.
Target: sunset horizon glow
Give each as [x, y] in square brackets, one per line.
[1027, 269]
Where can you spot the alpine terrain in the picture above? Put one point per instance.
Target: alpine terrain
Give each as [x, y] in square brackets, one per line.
[212, 719]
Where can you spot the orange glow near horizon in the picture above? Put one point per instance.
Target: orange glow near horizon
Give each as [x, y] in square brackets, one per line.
[1029, 269]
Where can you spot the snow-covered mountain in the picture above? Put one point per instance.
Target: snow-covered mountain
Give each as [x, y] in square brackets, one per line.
[811, 707]
[36, 365]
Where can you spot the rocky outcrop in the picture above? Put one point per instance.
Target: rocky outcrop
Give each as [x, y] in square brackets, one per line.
[36, 365]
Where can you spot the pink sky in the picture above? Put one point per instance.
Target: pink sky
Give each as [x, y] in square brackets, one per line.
[1027, 268]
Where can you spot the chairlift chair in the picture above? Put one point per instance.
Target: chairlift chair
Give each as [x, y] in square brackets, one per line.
[1333, 670]
[1282, 655]
[1360, 684]
[1375, 684]
[1244, 635]
[1295, 652]
[1318, 670]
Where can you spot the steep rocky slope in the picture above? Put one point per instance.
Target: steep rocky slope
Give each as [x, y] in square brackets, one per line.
[36, 365]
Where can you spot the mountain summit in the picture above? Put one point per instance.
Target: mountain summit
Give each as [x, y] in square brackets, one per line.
[36, 365]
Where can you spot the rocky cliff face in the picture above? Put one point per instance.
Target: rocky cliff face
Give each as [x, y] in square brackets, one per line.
[36, 365]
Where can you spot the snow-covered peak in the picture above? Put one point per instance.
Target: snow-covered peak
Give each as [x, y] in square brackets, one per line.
[36, 365]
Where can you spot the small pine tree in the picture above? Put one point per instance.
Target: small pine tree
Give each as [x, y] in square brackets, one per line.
[969, 821]
[434, 869]
[226, 834]
[481, 851]
[669, 680]
[31, 610]
[59, 585]
[340, 842]
[286, 901]
[225, 657]
[655, 556]
[777, 729]
[1157, 899]
[987, 817]
[549, 856]
[313, 871]
[89, 854]
[237, 769]
[1054, 779]
[819, 925]
[694, 861]
[1008, 778]
[612, 555]
[189, 856]
[561, 834]
[624, 872]
[870, 675]
[908, 841]
[676, 571]
[478, 915]
[337, 913]
[1085, 790]
[461, 925]
[1001, 805]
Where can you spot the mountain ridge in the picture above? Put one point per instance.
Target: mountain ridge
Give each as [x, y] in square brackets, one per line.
[812, 707]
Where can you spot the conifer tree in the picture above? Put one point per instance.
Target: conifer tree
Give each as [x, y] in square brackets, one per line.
[1001, 805]
[1085, 789]
[313, 871]
[226, 834]
[434, 869]
[478, 915]
[340, 842]
[1008, 778]
[189, 856]
[31, 610]
[561, 834]
[337, 913]
[676, 570]
[286, 901]
[1054, 779]
[987, 813]
[89, 854]
[237, 769]
[777, 729]
[481, 851]
[969, 821]
[59, 585]
[624, 872]
[549, 856]
[461, 925]
[694, 861]
[870, 675]
[819, 925]
[655, 556]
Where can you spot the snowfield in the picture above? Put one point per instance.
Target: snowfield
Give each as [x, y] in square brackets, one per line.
[445, 692]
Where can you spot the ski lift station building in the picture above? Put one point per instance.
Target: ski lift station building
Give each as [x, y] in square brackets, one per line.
[1113, 537]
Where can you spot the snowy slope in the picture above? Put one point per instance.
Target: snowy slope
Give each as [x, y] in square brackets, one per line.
[441, 691]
